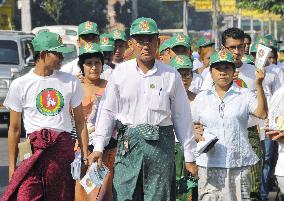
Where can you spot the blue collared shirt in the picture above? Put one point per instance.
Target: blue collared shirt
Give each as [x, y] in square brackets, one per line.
[228, 120]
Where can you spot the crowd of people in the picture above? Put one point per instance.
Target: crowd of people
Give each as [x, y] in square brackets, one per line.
[143, 106]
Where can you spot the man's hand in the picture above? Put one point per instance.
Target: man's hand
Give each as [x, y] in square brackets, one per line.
[192, 168]
[11, 172]
[198, 129]
[96, 156]
[274, 134]
[259, 76]
[80, 77]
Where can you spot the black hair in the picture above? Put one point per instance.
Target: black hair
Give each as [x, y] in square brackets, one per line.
[215, 65]
[248, 37]
[83, 57]
[234, 33]
[275, 53]
[36, 56]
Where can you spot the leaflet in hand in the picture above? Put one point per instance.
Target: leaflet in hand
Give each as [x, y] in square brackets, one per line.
[94, 177]
[207, 144]
[261, 56]
[279, 120]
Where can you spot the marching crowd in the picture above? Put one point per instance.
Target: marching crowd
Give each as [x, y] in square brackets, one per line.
[143, 107]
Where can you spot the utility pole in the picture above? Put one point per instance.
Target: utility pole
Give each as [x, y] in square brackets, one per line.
[239, 19]
[275, 30]
[262, 27]
[185, 17]
[134, 9]
[251, 27]
[26, 16]
[214, 23]
[269, 26]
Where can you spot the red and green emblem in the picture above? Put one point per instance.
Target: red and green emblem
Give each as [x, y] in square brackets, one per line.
[104, 40]
[241, 83]
[89, 25]
[179, 60]
[180, 38]
[144, 25]
[49, 102]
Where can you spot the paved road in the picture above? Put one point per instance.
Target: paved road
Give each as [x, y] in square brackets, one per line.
[4, 162]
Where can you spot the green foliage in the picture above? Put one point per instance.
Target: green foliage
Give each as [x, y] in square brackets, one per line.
[274, 6]
[53, 9]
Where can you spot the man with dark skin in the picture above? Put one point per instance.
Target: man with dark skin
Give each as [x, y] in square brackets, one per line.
[247, 43]
[150, 106]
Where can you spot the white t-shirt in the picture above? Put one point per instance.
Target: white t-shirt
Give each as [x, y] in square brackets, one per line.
[45, 101]
[197, 64]
[72, 67]
[196, 83]
[277, 108]
[106, 72]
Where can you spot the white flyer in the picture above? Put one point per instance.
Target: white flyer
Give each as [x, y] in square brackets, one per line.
[261, 56]
[94, 177]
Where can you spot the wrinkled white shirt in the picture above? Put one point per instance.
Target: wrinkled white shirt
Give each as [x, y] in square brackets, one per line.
[233, 148]
[107, 71]
[72, 67]
[196, 83]
[157, 98]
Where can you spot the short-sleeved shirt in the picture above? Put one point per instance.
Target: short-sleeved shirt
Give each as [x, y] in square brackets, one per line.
[228, 120]
[45, 101]
[276, 109]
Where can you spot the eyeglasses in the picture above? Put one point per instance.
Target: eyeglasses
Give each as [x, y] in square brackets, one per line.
[142, 43]
[221, 109]
[234, 48]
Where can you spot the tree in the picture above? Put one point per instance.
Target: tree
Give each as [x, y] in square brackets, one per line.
[274, 6]
[53, 9]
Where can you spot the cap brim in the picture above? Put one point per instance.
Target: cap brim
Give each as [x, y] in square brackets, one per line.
[222, 62]
[64, 50]
[207, 44]
[120, 38]
[91, 52]
[181, 44]
[107, 48]
[88, 32]
[144, 33]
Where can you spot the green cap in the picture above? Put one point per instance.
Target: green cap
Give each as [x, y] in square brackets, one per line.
[267, 42]
[165, 45]
[203, 42]
[253, 48]
[143, 26]
[248, 59]
[221, 56]
[118, 35]
[180, 39]
[88, 28]
[90, 48]
[50, 42]
[181, 61]
[106, 42]
[269, 37]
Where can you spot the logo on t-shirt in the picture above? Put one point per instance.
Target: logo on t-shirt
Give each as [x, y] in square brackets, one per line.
[49, 102]
[241, 83]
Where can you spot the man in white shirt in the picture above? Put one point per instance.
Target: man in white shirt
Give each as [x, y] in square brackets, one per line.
[147, 97]
[88, 32]
[107, 46]
[120, 45]
[44, 97]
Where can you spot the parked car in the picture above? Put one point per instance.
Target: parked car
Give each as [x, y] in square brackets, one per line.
[16, 59]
